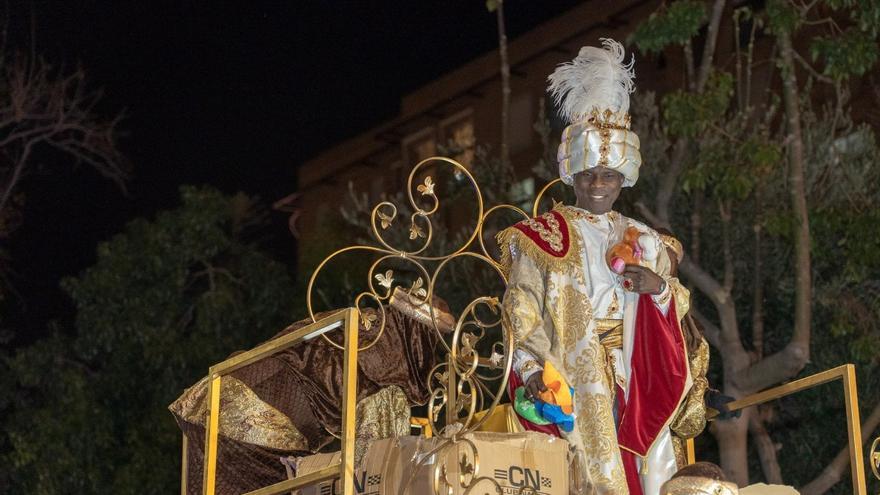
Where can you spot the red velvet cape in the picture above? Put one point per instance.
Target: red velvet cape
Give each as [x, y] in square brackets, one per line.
[658, 375]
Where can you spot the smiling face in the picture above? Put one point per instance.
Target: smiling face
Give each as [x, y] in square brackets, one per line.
[597, 189]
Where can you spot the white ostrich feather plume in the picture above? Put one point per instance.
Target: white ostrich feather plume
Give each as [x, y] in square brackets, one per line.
[596, 79]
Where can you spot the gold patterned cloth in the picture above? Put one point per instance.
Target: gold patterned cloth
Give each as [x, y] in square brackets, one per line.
[548, 309]
[691, 418]
[696, 485]
[289, 403]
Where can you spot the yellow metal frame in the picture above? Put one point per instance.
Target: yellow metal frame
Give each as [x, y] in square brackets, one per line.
[847, 374]
[347, 320]
[184, 468]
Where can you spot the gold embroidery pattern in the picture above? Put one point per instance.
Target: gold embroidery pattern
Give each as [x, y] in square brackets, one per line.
[578, 213]
[576, 312]
[682, 296]
[700, 485]
[551, 301]
[552, 236]
[585, 215]
[384, 414]
[674, 244]
[691, 418]
[605, 135]
[244, 417]
[680, 450]
[589, 365]
[513, 242]
[522, 313]
[603, 484]
[614, 307]
[596, 426]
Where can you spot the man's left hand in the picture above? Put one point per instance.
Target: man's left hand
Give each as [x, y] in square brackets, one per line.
[641, 280]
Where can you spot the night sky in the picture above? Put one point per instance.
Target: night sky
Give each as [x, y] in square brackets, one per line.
[232, 94]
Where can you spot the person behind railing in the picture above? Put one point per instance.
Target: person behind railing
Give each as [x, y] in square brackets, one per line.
[615, 337]
[289, 403]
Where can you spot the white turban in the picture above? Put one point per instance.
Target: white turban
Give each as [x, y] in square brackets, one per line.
[585, 146]
[592, 93]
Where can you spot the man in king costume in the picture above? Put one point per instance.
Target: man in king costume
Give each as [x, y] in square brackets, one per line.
[615, 337]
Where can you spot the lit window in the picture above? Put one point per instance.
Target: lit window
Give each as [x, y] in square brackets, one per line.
[420, 145]
[463, 139]
[458, 132]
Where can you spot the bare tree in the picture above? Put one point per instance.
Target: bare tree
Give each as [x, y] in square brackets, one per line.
[45, 108]
[498, 7]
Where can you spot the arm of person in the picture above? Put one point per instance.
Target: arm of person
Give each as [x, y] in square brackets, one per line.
[643, 280]
[660, 283]
[523, 309]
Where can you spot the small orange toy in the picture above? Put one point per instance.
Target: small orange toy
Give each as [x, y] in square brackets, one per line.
[626, 252]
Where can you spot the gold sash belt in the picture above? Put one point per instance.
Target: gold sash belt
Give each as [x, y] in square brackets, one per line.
[610, 333]
[611, 337]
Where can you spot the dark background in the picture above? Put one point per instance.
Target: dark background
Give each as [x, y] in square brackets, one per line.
[232, 94]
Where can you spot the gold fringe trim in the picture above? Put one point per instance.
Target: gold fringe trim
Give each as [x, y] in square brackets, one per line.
[524, 245]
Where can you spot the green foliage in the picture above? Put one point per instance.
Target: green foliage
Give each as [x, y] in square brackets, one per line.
[782, 17]
[852, 53]
[732, 170]
[675, 24]
[166, 299]
[687, 114]
[866, 13]
[735, 170]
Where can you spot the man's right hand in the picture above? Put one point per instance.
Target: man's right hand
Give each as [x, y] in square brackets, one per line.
[535, 385]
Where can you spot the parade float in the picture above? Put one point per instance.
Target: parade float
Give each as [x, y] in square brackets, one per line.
[468, 437]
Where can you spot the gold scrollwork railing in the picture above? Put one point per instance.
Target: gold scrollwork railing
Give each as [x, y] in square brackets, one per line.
[460, 386]
[874, 457]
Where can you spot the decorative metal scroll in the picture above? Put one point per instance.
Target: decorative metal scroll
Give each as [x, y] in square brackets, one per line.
[874, 457]
[461, 386]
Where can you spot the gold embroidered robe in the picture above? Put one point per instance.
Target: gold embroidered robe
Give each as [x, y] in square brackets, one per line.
[548, 309]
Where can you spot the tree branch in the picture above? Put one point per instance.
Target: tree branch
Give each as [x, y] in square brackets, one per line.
[17, 173]
[689, 65]
[834, 471]
[757, 295]
[796, 184]
[669, 181]
[646, 212]
[711, 41]
[706, 283]
[810, 69]
[710, 330]
[766, 450]
[696, 226]
[47, 107]
[772, 369]
[725, 214]
[505, 90]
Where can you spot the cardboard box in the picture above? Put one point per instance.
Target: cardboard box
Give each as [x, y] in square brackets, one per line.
[363, 484]
[513, 460]
[406, 465]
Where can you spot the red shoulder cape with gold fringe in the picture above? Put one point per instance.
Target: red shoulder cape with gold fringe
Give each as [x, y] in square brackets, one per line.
[549, 232]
